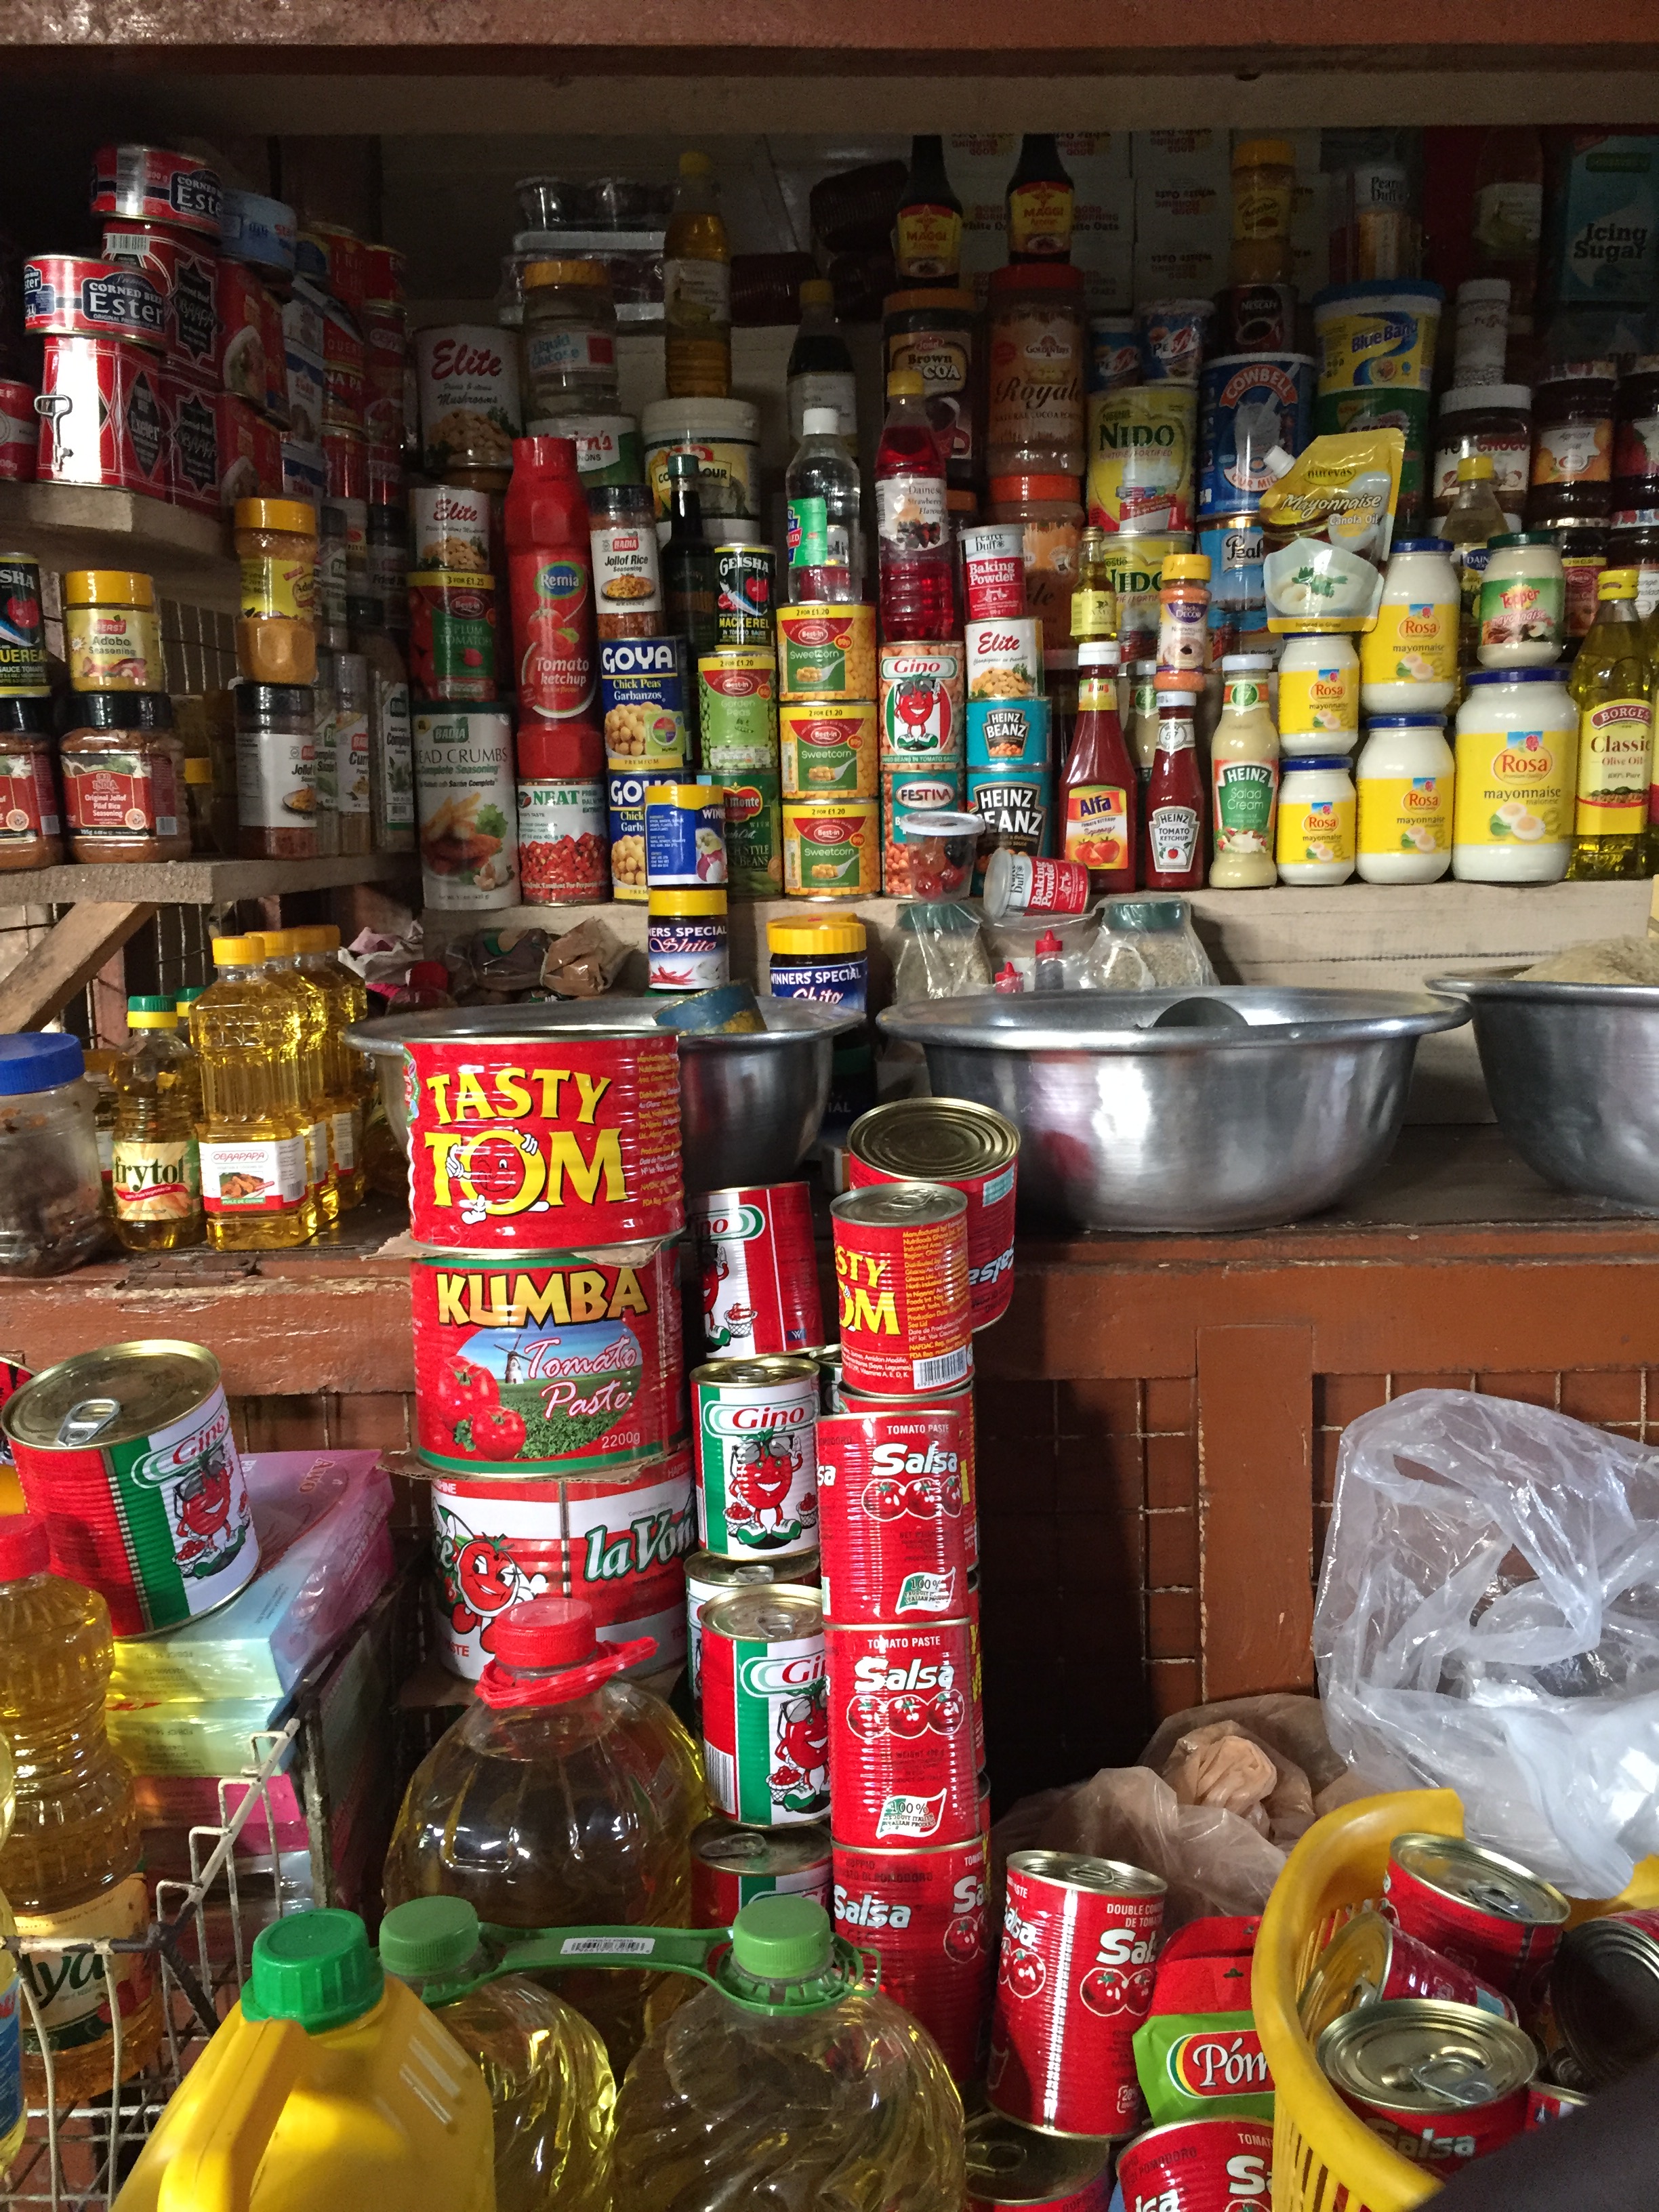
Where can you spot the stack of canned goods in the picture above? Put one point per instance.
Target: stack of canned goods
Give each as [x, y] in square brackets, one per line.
[922, 738]
[685, 874]
[737, 703]
[1011, 779]
[644, 688]
[827, 690]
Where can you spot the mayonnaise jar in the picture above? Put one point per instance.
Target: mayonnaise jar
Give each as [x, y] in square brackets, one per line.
[1517, 749]
[1404, 777]
[1315, 844]
[1409, 662]
[1318, 694]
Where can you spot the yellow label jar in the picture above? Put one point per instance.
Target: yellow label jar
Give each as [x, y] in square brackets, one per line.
[276, 546]
[1517, 745]
[111, 636]
[1404, 779]
[1318, 694]
[1408, 663]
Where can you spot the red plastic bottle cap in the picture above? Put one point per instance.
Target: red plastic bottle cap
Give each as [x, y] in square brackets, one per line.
[428, 975]
[25, 1547]
[1049, 943]
[545, 1632]
[545, 456]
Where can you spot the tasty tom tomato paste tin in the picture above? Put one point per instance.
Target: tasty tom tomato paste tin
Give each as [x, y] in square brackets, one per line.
[973, 1150]
[1440, 2083]
[68, 295]
[1223, 2165]
[1074, 1981]
[731, 1863]
[126, 1455]
[756, 1421]
[765, 1734]
[891, 1510]
[1008, 2166]
[1472, 1905]
[904, 1728]
[552, 1142]
[901, 1285]
[709, 1580]
[923, 1912]
[760, 1274]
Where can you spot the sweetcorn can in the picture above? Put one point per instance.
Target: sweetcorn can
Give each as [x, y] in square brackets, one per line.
[732, 1863]
[756, 1427]
[1440, 2083]
[126, 1454]
[969, 1147]
[765, 1732]
[1221, 2165]
[891, 1506]
[831, 848]
[902, 1287]
[828, 748]
[760, 1276]
[827, 652]
[710, 1580]
[1010, 2165]
[905, 1730]
[923, 1912]
[1475, 1906]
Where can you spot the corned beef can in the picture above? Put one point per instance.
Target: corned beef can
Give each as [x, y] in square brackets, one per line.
[156, 184]
[1074, 1981]
[756, 1425]
[1440, 2083]
[923, 1912]
[710, 1580]
[548, 1142]
[186, 274]
[567, 1361]
[904, 1733]
[958, 1403]
[68, 295]
[760, 1270]
[765, 1733]
[902, 1287]
[732, 1863]
[126, 1454]
[19, 432]
[104, 419]
[891, 1509]
[1012, 2166]
[1223, 2164]
[966, 1147]
[1370, 1959]
[1485, 1911]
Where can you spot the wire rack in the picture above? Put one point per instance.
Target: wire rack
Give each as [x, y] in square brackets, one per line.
[75, 2155]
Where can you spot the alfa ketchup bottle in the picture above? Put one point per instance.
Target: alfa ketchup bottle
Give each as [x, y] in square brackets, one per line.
[550, 581]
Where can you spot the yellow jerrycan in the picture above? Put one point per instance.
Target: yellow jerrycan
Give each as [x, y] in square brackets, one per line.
[330, 2084]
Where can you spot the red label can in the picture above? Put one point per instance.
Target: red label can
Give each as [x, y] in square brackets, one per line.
[1438, 2083]
[68, 295]
[967, 1147]
[20, 430]
[1546, 2104]
[958, 1403]
[1200, 2165]
[765, 1736]
[1074, 1981]
[103, 418]
[993, 571]
[732, 1863]
[891, 1509]
[923, 1912]
[546, 1143]
[760, 1271]
[1478, 1909]
[186, 274]
[156, 185]
[901, 1286]
[904, 1729]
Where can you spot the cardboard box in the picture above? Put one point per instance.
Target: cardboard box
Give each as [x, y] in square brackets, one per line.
[1600, 246]
[1183, 213]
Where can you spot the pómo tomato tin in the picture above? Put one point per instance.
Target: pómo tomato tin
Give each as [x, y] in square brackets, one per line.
[1440, 2083]
[901, 1286]
[760, 1273]
[732, 1863]
[756, 1422]
[972, 1149]
[67, 295]
[765, 1733]
[923, 1912]
[1223, 2165]
[902, 1732]
[890, 1509]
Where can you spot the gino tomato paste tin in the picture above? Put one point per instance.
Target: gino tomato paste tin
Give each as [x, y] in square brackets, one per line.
[732, 1863]
[126, 1455]
[901, 1286]
[550, 1142]
[923, 1912]
[765, 1731]
[569, 1360]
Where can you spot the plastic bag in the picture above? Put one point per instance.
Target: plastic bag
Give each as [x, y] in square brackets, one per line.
[1488, 1621]
[1014, 939]
[1147, 943]
[941, 952]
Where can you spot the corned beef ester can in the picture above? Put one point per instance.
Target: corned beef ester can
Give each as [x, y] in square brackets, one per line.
[70, 295]
[905, 1733]
[901, 1286]
[973, 1150]
[760, 1273]
[923, 1912]
[1011, 2165]
[891, 1514]
[765, 1737]
[153, 184]
[731, 1863]
[1203, 2166]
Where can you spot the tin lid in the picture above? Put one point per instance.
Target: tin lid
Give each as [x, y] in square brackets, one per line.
[764, 1367]
[112, 1395]
[809, 939]
[1604, 1989]
[765, 1616]
[1420, 2055]
[718, 1842]
[1011, 2165]
[1460, 1869]
[1352, 1970]
[897, 1205]
[296, 515]
[925, 1139]
[107, 587]
[1077, 1870]
[711, 1572]
[34, 1061]
[117, 710]
[669, 903]
[591, 274]
[1193, 568]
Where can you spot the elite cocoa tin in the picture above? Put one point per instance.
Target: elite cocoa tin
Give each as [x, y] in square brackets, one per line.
[67, 295]
[922, 1913]
[1222, 2165]
[730, 1863]
[831, 848]
[1370, 1959]
[709, 1580]
[1440, 2083]
[760, 1272]
[126, 1455]
[902, 1287]
[1472, 1905]
[827, 652]
[968, 1147]
[891, 1506]
[1074, 1981]
[556, 1141]
[756, 1422]
[904, 1728]
[154, 184]
[765, 1733]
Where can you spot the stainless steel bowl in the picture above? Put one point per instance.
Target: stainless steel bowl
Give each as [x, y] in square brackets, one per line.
[1572, 1070]
[1124, 1125]
[749, 1106]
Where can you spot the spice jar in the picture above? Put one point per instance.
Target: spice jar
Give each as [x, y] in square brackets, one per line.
[51, 1193]
[1050, 516]
[31, 830]
[1572, 455]
[329, 611]
[276, 543]
[110, 637]
[124, 778]
[569, 338]
[275, 772]
[1035, 349]
[351, 752]
[627, 578]
[1636, 436]
[391, 739]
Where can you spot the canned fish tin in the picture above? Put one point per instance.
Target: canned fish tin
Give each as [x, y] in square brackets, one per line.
[828, 751]
[745, 594]
[643, 689]
[1248, 404]
[993, 571]
[570, 1361]
[1008, 2166]
[68, 295]
[731, 1863]
[1440, 2083]
[754, 833]
[756, 1422]
[1472, 1905]
[709, 1580]
[152, 184]
[561, 840]
[1015, 883]
[923, 693]
[1074, 1981]
[891, 1505]
[904, 1728]
[902, 1282]
[1008, 733]
[1141, 441]
[737, 709]
[466, 805]
[625, 810]
[1004, 658]
[765, 1733]
[760, 1275]
[1370, 1959]
[23, 639]
[967, 1147]
[1604, 1991]
[126, 1455]
[1222, 2165]
[688, 945]
[827, 652]
[831, 848]
[451, 634]
[923, 1912]
[564, 1139]
[1017, 806]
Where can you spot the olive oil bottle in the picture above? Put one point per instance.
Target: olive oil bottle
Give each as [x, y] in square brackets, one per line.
[1612, 686]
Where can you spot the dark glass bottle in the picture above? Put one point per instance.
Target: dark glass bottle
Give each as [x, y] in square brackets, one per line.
[688, 561]
[1040, 198]
[928, 233]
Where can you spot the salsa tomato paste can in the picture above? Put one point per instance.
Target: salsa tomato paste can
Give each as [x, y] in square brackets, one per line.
[831, 848]
[556, 1141]
[1369, 1960]
[732, 1863]
[1074, 1981]
[1546, 2104]
[760, 1272]
[126, 1455]
[765, 1732]
[1482, 1911]
[904, 1728]
[966, 1147]
[922, 701]
[570, 1360]
[1440, 2083]
[710, 1580]
[827, 652]
[891, 1507]
[755, 1423]
[828, 749]
[69, 295]
[901, 1286]
[1011, 2165]
[156, 184]
[956, 1405]
[1223, 2165]
[923, 1912]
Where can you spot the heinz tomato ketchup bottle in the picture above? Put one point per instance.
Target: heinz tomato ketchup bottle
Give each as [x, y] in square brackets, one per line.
[550, 576]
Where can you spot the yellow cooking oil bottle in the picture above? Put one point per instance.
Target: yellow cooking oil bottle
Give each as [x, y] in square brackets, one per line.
[70, 1864]
[1612, 686]
[696, 287]
[550, 2085]
[13, 2120]
[283, 967]
[245, 1029]
[318, 948]
[328, 2085]
[154, 1163]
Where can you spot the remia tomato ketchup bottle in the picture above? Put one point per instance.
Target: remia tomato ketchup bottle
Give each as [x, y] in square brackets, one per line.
[550, 577]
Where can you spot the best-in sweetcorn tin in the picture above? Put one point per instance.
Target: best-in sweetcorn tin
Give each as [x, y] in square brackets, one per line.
[827, 652]
[828, 748]
[831, 848]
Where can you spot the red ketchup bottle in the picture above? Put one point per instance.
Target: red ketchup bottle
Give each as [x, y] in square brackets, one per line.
[1101, 799]
[917, 568]
[1172, 836]
[549, 568]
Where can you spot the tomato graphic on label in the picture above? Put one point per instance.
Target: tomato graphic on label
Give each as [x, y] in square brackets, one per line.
[947, 1712]
[23, 614]
[908, 1714]
[486, 1576]
[964, 1937]
[1022, 1973]
[882, 1499]
[923, 1498]
[951, 1496]
[498, 1432]
[464, 1391]
[866, 1717]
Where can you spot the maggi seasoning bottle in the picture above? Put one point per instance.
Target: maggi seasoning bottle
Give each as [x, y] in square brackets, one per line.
[563, 1796]
[246, 1033]
[154, 1161]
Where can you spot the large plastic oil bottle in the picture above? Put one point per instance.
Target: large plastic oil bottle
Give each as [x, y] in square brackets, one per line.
[154, 1161]
[69, 1866]
[550, 2084]
[246, 1030]
[311, 1004]
[351, 1076]
[563, 1796]
[14, 2120]
[327, 2086]
[696, 287]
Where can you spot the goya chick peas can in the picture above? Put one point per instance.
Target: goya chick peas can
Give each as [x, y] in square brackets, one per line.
[972, 1149]
[765, 1728]
[902, 1287]
[127, 1456]
[757, 1488]
[732, 1863]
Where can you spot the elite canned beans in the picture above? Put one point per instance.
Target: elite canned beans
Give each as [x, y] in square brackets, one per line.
[923, 1912]
[902, 1287]
[1222, 2165]
[904, 1733]
[731, 1863]
[757, 1422]
[760, 1275]
[765, 1735]
[892, 1506]
[969, 1147]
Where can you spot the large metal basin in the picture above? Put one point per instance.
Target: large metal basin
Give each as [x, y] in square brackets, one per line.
[749, 1106]
[1123, 1125]
[1572, 1070]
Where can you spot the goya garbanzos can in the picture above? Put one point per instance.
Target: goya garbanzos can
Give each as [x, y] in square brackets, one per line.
[732, 1863]
[765, 1730]
[546, 1142]
[968, 1146]
[760, 1272]
[757, 1469]
[1440, 2083]
[568, 1361]
[901, 1285]
[127, 1456]
[710, 1580]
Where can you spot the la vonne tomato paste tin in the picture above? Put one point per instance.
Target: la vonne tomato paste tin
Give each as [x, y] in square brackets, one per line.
[126, 1455]
[1011, 2165]
[732, 1862]
[901, 1286]
[923, 1912]
[548, 1143]
[1221, 2165]
[973, 1150]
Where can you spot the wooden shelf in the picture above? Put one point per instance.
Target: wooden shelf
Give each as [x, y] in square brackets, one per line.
[203, 882]
[90, 526]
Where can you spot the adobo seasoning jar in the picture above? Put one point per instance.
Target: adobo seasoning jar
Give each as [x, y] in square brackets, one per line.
[110, 637]
[276, 543]
[31, 829]
[124, 778]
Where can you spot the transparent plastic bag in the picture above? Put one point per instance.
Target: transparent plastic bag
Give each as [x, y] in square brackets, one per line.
[941, 952]
[1014, 939]
[1488, 1621]
[1147, 943]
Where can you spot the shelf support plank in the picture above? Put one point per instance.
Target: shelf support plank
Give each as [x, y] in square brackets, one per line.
[70, 954]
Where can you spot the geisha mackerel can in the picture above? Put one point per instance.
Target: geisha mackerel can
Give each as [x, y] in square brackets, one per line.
[732, 1863]
[755, 1423]
[1221, 2165]
[923, 1912]
[760, 1270]
[902, 1287]
[906, 1732]
[972, 1148]
[710, 1580]
[126, 1455]
[765, 1733]
[891, 1508]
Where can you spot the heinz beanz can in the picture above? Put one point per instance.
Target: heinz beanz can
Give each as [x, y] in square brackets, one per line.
[923, 690]
[1017, 805]
[891, 1505]
[760, 1277]
[710, 1580]
[901, 1284]
[126, 1455]
[1008, 733]
[923, 1912]
[970, 1148]
[831, 848]
[1221, 2165]
[765, 1731]
[828, 749]
[731, 1863]
[757, 1422]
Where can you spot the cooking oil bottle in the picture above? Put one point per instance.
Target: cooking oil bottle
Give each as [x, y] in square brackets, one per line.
[69, 1865]
[342, 1068]
[246, 1030]
[550, 2085]
[13, 2120]
[155, 1160]
[283, 967]
[696, 287]
[1612, 686]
